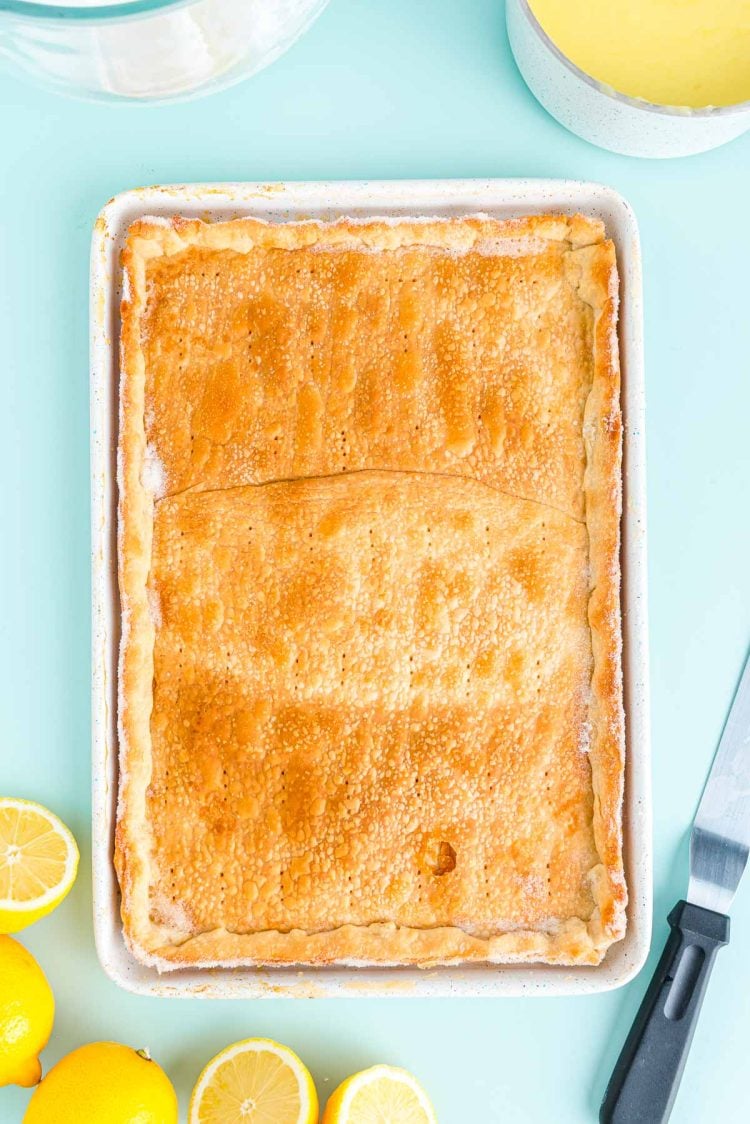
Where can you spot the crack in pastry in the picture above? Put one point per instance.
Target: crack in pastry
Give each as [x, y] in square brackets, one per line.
[161, 496]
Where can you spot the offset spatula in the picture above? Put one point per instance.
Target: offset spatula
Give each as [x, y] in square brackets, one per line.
[644, 1084]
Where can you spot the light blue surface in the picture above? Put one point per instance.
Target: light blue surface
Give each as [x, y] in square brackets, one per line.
[383, 89]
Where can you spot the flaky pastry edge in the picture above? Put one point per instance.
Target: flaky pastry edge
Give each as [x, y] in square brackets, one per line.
[592, 269]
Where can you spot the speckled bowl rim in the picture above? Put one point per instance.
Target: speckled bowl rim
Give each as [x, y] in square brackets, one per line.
[683, 111]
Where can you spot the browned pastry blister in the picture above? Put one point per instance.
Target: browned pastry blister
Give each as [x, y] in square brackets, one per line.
[370, 700]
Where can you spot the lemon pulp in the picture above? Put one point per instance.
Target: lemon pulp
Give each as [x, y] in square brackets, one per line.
[382, 1093]
[692, 53]
[38, 862]
[257, 1081]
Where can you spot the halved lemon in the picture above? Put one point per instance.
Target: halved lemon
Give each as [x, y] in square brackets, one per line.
[38, 862]
[256, 1081]
[384, 1094]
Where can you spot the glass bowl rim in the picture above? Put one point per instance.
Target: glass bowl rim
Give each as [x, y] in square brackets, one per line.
[97, 13]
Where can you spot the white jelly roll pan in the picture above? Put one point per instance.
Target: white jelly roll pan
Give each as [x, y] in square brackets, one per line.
[279, 202]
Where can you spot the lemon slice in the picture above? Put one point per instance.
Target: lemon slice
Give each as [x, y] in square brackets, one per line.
[254, 1082]
[381, 1095]
[38, 863]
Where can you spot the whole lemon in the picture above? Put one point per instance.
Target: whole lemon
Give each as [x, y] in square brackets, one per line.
[27, 1011]
[104, 1083]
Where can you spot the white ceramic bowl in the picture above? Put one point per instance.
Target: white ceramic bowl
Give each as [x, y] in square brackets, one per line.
[603, 116]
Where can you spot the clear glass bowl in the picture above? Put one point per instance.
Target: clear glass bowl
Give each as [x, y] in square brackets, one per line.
[149, 50]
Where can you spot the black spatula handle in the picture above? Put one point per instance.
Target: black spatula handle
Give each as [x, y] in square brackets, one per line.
[645, 1080]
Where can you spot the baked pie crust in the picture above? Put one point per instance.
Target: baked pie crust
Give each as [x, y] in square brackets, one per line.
[370, 698]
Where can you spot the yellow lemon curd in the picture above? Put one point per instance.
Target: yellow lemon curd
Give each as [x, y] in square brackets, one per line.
[674, 52]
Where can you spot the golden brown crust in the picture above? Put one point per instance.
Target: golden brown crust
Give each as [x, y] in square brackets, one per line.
[576, 269]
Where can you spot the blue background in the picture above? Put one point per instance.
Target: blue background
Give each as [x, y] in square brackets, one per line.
[386, 89]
